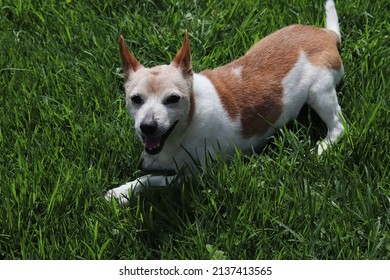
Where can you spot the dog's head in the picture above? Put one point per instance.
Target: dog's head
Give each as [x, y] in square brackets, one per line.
[159, 99]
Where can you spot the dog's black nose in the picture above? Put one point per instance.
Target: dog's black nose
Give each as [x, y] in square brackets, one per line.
[149, 128]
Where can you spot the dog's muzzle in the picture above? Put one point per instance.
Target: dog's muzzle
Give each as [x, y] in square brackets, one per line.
[154, 144]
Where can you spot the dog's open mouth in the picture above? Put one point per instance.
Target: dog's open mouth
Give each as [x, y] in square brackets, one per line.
[154, 145]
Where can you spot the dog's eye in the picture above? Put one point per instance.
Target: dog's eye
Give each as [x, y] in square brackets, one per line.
[172, 99]
[136, 99]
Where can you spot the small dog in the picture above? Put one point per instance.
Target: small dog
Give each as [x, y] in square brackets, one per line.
[181, 116]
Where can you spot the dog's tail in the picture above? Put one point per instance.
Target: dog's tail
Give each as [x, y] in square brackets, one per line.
[332, 20]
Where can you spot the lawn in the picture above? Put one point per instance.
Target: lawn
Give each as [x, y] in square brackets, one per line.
[65, 138]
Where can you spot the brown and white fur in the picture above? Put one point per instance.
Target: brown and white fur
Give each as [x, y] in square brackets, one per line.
[180, 115]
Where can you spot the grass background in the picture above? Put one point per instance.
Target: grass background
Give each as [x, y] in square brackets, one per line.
[65, 138]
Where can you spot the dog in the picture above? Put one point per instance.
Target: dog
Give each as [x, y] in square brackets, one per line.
[183, 117]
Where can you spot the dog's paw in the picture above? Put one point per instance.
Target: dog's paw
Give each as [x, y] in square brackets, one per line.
[322, 146]
[121, 194]
[121, 198]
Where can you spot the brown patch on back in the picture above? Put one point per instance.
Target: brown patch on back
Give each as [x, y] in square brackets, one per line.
[324, 52]
[256, 97]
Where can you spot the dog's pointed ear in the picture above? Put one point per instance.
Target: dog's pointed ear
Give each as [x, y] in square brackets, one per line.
[182, 59]
[130, 64]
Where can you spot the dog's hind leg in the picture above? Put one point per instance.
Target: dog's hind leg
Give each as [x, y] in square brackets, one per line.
[323, 99]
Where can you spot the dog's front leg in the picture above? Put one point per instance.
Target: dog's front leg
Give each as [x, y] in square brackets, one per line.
[122, 193]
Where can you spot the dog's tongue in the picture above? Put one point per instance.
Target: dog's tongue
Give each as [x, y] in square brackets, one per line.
[152, 144]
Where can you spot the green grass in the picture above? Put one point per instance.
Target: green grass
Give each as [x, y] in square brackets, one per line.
[65, 138]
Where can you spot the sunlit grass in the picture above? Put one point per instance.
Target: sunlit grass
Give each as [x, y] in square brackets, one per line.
[65, 138]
